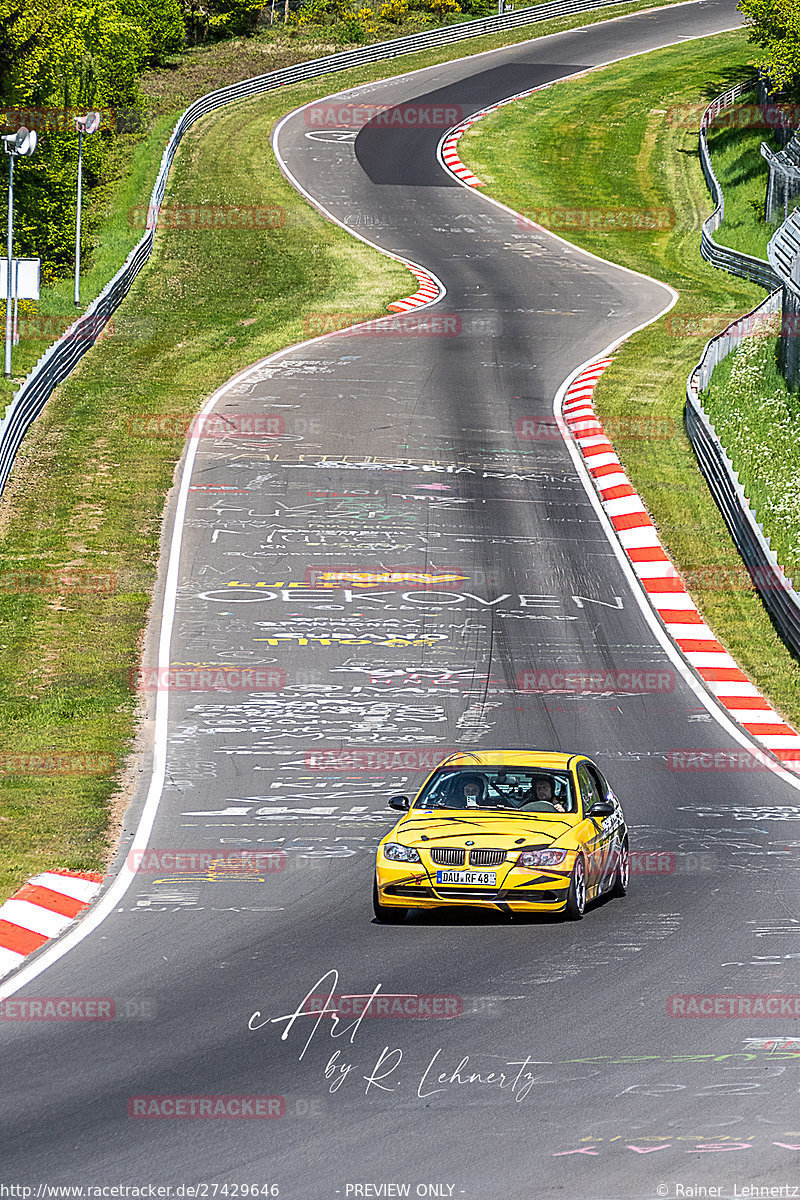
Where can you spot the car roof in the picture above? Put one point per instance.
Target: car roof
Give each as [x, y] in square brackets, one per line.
[545, 759]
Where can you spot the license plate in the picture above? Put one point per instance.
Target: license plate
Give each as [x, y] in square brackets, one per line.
[471, 878]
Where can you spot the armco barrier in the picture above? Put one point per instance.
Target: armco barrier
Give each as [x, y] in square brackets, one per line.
[60, 358]
[776, 590]
[747, 266]
[783, 252]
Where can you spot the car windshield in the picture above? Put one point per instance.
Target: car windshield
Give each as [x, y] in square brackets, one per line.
[499, 789]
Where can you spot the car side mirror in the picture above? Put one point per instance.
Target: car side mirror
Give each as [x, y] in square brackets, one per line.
[401, 803]
[601, 808]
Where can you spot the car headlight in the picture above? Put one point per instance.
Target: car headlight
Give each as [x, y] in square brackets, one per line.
[541, 858]
[398, 853]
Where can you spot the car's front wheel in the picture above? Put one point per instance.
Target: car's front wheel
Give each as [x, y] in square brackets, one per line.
[623, 871]
[384, 912]
[576, 897]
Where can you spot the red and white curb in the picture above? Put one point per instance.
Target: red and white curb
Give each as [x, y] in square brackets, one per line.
[449, 150]
[428, 290]
[662, 583]
[40, 910]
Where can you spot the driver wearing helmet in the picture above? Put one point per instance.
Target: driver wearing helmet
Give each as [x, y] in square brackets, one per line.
[542, 789]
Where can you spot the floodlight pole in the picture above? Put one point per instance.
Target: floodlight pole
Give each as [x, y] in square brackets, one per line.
[78, 220]
[24, 144]
[7, 367]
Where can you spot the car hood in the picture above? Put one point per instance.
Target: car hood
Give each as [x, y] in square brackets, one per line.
[536, 829]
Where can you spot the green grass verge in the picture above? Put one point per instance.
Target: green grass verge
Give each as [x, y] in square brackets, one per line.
[623, 152]
[742, 173]
[758, 422]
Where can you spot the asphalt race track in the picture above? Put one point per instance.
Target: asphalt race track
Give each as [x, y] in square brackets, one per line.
[398, 451]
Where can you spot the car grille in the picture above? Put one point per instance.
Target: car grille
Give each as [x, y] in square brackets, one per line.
[486, 858]
[447, 856]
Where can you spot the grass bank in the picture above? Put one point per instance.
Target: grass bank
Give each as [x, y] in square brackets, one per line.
[735, 152]
[758, 421]
[624, 152]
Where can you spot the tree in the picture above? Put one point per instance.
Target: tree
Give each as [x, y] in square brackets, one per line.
[65, 56]
[775, 27]
[162, 21]
[220, 18]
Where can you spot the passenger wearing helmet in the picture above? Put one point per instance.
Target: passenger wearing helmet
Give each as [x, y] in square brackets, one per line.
[471, 791]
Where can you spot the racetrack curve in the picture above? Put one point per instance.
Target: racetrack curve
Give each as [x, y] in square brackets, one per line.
[401, 451]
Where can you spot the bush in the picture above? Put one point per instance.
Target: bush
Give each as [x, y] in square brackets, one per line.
[394, 10]
[350, 30]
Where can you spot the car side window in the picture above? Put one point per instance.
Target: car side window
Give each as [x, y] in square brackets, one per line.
[601, 787]
[589, 791]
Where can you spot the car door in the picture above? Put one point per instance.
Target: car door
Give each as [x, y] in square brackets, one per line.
[597, 838]
[610, 843]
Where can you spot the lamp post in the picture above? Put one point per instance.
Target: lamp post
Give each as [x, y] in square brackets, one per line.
[17, 145]
[88, 124]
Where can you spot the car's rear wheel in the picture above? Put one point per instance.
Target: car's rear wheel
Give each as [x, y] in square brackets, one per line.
[623, 871]
[384, 912]
[576, 897]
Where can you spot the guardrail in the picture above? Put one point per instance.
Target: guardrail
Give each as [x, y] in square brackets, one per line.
[60, 359]
[784, 256]
[784, 178]
[780, 599]
[746, 266]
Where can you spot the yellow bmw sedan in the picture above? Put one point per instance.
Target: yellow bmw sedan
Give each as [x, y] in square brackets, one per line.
[514, 830]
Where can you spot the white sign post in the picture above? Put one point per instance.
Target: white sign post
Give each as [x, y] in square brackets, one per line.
[26, 274]
[17, 145]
